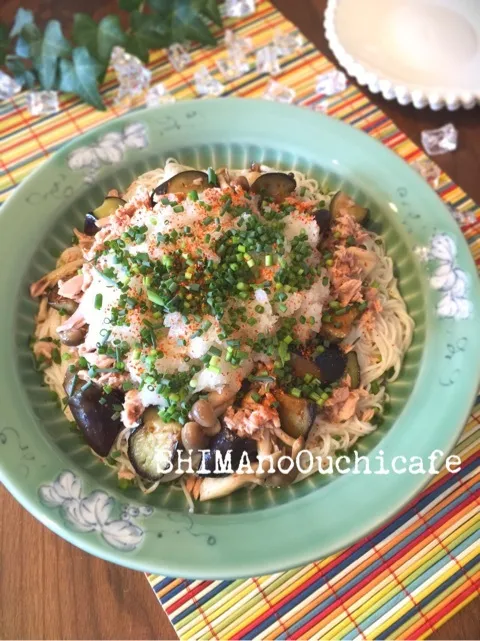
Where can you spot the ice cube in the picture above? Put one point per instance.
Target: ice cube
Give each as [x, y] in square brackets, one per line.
[238, 44]
[8, 86]
[322, 106]
[441, 140]
[287, 43]
[206, 84]
[428, 170]
[42, 103]
[233, 66]
[279, 93]
[462, 217]
[239, 8]
[331, 82]
[267, 60]
[179, 57]
[133, 77]
[158, 95]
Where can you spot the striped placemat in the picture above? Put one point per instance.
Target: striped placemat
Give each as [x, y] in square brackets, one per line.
[406, 578]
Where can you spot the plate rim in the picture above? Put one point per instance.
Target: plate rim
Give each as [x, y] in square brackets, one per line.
[93, 545]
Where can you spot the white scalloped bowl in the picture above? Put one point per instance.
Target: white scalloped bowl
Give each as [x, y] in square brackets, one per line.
[424, 52]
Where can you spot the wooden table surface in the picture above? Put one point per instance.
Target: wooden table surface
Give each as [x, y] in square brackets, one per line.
[50, 589]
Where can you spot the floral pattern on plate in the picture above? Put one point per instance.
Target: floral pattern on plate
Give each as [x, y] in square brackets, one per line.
[108, 150]
[93, 513]
[447, 278]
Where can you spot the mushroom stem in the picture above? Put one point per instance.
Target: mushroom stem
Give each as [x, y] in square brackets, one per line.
[285, 438]
[52, 278]
[215, 488]
[265, 446]
[224, 178]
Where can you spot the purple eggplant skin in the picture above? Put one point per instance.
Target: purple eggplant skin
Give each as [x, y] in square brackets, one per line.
[90, 228]
[275, 184]
[183, 182]
[323, 218]
[226, 441]
[99, 423]
[296, 414]
[331, 363]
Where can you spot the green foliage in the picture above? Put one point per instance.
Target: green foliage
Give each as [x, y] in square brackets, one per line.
[52, 62]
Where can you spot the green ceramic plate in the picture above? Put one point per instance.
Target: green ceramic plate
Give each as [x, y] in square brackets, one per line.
[50, 470]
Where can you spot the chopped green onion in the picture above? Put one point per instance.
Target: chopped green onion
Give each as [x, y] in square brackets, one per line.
[178, 208]
[98, 301]
[212, 177]
[193, 195]
[155, 297]
[214, 368]
[215, 351]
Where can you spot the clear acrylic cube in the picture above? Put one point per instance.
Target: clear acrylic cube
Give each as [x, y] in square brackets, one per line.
[287, 43]
[331, 83]
[428, 170]
[158, 95]
[239, 8]
[238, 44]
[206, 84]
[42, 103]
[279, 93]
[179, 57]
[233, 66]
[441, 140]
[267, 60]
[8, 86]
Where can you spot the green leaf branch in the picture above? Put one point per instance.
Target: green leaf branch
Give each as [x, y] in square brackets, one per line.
[48, 60]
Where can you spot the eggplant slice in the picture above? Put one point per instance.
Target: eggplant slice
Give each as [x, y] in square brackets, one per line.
[339, 329]
[89, 226]
[108, 207]
[296, 414]
[61, 303]
[328, 367]
[302, 366]
[323, 218]
[342, 203]
[226, 442]
[153, 445]
[98, 419]
[73, 337]
[331, 364]
[353, 369]
[185, 181]
[276, 185]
